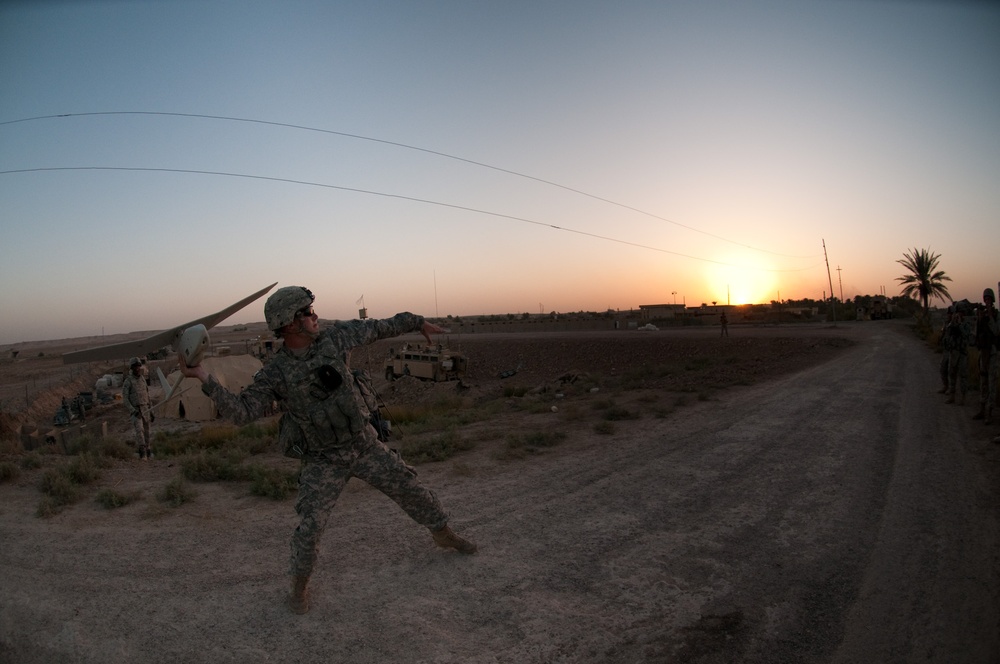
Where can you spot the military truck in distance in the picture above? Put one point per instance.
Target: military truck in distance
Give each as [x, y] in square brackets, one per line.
[425, 362]
[881, 308]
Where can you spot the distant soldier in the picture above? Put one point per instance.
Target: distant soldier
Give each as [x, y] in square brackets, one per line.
[987, 338]
[724, 321]
[135, 396]
[943, 367]
[327, 423]
[956, 349]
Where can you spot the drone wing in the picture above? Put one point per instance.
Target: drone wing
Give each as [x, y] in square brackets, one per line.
[138, 348]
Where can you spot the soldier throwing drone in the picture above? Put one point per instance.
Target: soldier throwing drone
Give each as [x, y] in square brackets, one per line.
[326, 423]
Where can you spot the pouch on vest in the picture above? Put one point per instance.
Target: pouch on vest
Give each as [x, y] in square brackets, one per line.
[291, 438]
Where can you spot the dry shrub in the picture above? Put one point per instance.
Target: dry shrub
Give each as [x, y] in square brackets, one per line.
[438, 447]
[616, 412]
[111, 499]
[84, 469]
[216, 435]
[9, 472]
[520, 445]
[215, 466]
[59, 491]
[116, 448]
[605, 428]
[176, 492]
[31, 461]
[273, 483]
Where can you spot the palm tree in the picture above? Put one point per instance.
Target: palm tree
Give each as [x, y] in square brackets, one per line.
[925, 279]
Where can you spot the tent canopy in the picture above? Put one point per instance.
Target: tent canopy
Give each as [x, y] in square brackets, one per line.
[234, 372]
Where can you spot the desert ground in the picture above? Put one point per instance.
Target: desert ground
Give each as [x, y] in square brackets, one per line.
[798, 493]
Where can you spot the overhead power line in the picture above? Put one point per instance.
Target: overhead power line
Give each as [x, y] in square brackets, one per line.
[409, 147]
[389, 195]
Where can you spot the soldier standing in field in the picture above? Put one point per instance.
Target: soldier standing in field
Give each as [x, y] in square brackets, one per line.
[956, 348]
[327, 424]
[987, 338]
[135, 396]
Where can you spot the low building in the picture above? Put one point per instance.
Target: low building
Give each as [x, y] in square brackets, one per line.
[661, 311]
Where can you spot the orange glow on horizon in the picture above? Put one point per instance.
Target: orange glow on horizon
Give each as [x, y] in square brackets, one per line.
[744, 278]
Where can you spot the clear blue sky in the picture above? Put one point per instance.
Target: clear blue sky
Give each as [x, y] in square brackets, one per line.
[726, 139]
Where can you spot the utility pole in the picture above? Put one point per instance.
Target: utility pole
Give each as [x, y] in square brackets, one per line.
[833, 305]
[841, 282]
[674, 293]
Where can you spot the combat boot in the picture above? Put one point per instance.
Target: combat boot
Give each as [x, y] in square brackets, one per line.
[447, 539]
[298, 598]
[951, 398]
[982, 412]
[988, 417]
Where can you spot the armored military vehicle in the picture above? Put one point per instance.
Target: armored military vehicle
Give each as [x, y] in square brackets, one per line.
[881, 308]
[425, 362]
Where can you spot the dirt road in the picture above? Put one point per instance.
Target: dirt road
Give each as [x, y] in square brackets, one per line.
[839, 514]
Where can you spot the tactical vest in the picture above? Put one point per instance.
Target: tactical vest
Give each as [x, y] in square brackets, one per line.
[986, 339]
[324, 411]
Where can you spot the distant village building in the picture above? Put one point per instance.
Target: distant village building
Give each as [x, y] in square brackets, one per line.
[651, 312]
[661, 311]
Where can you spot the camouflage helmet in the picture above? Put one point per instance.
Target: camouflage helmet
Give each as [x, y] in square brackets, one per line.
[280, 308]
[988, 295]
[134, 362]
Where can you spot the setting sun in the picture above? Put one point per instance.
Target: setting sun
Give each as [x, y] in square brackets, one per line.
[740, 278]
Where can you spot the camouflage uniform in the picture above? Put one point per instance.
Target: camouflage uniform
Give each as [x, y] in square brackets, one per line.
[135, 396]
[327, 423]
[987, 337]
[956, 348]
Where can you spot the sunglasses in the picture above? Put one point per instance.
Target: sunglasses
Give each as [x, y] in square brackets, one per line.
[305, 313]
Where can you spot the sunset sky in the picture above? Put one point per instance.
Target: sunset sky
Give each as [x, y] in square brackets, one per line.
[161, 160]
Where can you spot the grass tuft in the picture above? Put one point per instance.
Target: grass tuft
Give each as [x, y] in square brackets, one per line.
[9, 472]
[83, 470]
[31, 461]
[216, 466]
[434, 448]
[616, 413]
[250, 439]
[59, 491]
[521, 445]
[116, 448]
[111, 499]
[273, 483]
[604, 427]
[176, 492]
